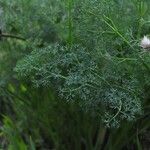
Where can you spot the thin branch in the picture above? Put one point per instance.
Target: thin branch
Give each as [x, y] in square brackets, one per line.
[12, 36]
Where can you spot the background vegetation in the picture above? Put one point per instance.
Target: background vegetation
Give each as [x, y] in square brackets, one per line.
[73, 75]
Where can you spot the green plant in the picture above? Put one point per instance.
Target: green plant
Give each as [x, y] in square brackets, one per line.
[11, 132]
[80, 78]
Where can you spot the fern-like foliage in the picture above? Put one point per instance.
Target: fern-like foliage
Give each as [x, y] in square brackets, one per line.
[99, 84]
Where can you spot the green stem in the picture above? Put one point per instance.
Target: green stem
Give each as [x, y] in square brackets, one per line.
[114, 28]
[140, 24]
[100, 138]
[105, 140]
[70, 39]
[12, 36]
[119, 109]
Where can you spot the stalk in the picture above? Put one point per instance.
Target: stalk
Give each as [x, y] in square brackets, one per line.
[70, 38]
[6, 35]
[102, 139]
[12, 36]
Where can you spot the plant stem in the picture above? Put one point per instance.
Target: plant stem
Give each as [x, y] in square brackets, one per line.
[100, 137]
[12, 36]
[105, 140]
[70, 23]
[115, 30]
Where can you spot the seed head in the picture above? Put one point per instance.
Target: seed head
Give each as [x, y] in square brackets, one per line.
[145, 42]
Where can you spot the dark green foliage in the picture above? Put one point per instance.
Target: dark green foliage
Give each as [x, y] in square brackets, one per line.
[78, 75]
[80, 80]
